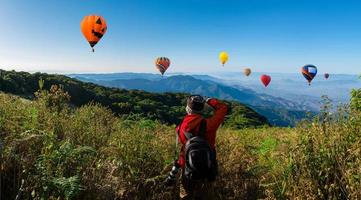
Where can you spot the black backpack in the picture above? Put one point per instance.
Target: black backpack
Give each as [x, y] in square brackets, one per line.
[200, 158]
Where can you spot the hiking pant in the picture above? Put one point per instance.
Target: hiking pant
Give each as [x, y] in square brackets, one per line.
[196, 190]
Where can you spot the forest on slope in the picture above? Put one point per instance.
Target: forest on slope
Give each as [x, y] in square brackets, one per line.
[278, 111]
[166, 107]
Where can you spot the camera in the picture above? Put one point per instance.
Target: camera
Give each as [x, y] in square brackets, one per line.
[172, 176]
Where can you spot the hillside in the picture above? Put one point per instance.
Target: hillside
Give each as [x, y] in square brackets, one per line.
[51, 150]
[165, 107]
[278, 111]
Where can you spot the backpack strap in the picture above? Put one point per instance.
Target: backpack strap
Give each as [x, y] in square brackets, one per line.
[188, 135]
[203, 128]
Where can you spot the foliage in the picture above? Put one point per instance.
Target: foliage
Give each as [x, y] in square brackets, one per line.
[356, 99]
[242, 117]
[327, 160]
[54, 151]
[164, 107]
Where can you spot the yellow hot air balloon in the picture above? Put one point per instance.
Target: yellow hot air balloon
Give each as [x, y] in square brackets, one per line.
[223, 57]
[247, 71]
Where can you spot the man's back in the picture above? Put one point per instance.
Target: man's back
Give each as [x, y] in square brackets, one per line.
[191, 124]
[198, 136]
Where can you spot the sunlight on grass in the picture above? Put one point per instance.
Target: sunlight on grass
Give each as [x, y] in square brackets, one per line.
[53, 151]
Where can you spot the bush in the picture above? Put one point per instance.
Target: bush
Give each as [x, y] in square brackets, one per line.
[327, 158]
[52, 150]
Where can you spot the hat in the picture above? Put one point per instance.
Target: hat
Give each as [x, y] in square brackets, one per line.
[195, 103]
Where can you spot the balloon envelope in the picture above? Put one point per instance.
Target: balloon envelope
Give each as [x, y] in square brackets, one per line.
[162, 64]
[93, 28]
[265, 79]
[309, 72]
[223, 57]
[326, 75]
[247, 71]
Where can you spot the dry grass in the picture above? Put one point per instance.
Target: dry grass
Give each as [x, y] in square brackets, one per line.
[87, 153]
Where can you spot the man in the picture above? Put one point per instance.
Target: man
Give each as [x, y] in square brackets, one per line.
[192, 125]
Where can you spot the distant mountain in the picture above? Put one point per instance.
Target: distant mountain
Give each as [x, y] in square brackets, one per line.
[293, 86]
[115, 76]
[289, 86]
[279, 111]
[192, 85]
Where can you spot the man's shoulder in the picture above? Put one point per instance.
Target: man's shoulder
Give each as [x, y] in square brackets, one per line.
[191, 121]
[192, 117]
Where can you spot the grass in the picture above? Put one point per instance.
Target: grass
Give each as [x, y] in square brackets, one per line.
[52, 151]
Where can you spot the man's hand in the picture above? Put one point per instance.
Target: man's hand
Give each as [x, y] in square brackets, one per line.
[206, 98]
[207, 107]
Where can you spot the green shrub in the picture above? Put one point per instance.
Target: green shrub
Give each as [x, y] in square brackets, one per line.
[53, 150]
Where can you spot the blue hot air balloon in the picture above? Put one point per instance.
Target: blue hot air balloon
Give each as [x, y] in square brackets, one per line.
[309, 72]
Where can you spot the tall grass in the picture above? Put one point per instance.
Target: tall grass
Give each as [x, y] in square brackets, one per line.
[54, 151]
[327, 159]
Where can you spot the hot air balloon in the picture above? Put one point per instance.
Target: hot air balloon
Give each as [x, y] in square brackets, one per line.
[247, 71]
[309, 72]
[162, 64]
[223, 57]
[326, 75]
[265, 79]
[93, 28]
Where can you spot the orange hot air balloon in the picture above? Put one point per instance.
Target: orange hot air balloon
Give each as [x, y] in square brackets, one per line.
[162, 64]
[93, 28]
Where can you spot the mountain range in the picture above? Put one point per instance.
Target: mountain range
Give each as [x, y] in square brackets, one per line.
[279, 111]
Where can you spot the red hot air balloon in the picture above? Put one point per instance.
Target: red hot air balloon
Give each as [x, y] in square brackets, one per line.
[265, 79]
[326, 75]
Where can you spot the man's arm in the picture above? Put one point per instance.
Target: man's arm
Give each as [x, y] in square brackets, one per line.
[180, 161]
[220, 111]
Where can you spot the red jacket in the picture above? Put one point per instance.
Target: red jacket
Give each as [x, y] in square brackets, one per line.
[191, 123]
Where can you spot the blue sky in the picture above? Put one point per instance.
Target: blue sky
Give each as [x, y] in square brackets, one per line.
[268, 35]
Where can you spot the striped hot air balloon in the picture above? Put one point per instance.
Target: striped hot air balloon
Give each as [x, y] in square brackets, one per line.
[162, 64]
[309, 72]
